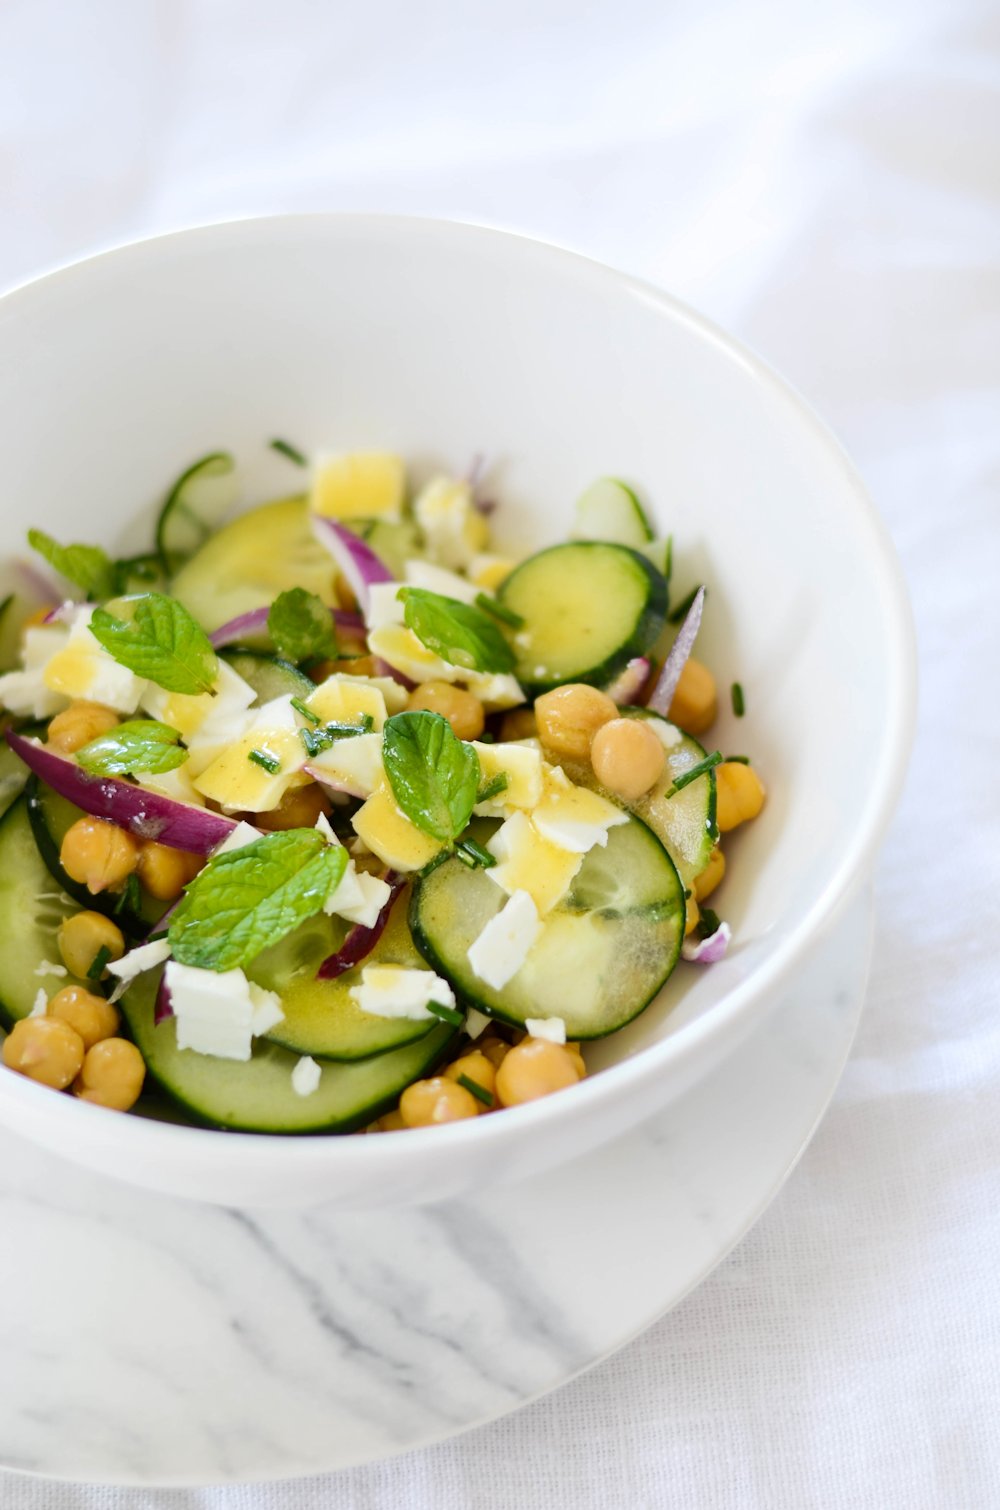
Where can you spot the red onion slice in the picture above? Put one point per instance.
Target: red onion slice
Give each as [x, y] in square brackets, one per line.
[627, 686]
[662, 694]
[355, 560]
[148, 815]
[237, 630]
[360, 941]
[708, 951]
[163, 1007]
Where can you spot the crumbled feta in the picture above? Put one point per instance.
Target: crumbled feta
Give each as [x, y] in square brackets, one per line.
[175, 784]
[522, 766]
[352, 765]
[145, 957]
[190, 712]
[41, 1003]
[384, 606]
[322, 825]
[528, 862]
[394, 991]
[358, 897]
[214, 1011]
[551, 1028]
[267, 1009]
[346, 700]
[25, 692]
[46, 967]
[242, 835]
[401, 649]
[476, 1022]
[502, 947]
[306, 1077]
[437, 579]
[573, 817]
[84, 669]
[668, 734]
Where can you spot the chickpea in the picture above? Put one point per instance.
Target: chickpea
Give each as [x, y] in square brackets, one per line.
[425, 1103]
[627, 756]
[391, 1122]
[706, 882]
[519, 724]
[298, 808]
[570, 716]
[77, 725]
[535, 1068]
[576, 1054]
[44, 1049]
[83, 936]
[475, 1066]
[739, 794]
[92, 1017]
[692, 915]
[695, 702]
[462, 709]
[165, 871]
[98, 853]
[112, 1075]
[357, 665]
[493, 1049]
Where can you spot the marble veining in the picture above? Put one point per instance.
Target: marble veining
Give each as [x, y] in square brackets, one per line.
[198, 1344]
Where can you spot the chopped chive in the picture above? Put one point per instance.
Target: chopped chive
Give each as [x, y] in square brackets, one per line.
[432, 865]
[270, 763]
[681, 611]
[475, 1089]
[739, 702]
[701, 769]
[446, 1014]
[285, 448]
[493, 788]
[130, 899]
[308, 713]
[314, 740]
[98, 963]
[347, 731]
[737, 759]
[161, 933]
[473, 854]
[499, 610]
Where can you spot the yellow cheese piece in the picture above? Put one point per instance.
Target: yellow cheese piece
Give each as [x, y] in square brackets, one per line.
[523, 767]
[359, 485]
[453, 527]
[527, 862]
[238, 783]
[345, 700]
[571, 816]
[389, 834]
[489, 572]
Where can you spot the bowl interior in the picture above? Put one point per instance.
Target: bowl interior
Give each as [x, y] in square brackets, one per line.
[440, 341]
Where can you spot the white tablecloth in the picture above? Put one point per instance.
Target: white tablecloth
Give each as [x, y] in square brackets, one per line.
[825, 180]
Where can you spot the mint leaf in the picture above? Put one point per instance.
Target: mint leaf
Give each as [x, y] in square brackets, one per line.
[139, 745]
[434, 775]
[162, 642]
[88, 566]
[301, 626]
[244, 901]
[459, 633]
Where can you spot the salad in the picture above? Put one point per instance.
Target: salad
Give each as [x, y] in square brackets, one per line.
[327, 817]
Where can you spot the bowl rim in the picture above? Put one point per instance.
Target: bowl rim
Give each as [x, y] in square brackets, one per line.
[737, 1004]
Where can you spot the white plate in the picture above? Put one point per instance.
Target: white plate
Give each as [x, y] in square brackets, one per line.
[153, 1341]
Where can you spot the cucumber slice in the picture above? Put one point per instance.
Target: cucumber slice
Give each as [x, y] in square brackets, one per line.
[394, 541]
[195, 506]
[320, 1017]
[139, 574]
[685, 823]
[269, 675]
[247, 563]
[609, 510]
[588, 609]
[32, 909]
[602, 954]
[13, 771]
[257, 1096]
[50, 816]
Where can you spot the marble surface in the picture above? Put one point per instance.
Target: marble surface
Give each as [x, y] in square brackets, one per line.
[248, 1345]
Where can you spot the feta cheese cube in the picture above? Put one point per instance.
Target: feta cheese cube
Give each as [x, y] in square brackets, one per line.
[84, 669]
[502, 947]
[242, 835]
[306, 1077]
[267, 1009]
[389, 834]
[384, 605]
[528, 862]
[476, 1022]
[358, 485]
[189, 712]
[394, 991]
[346, 700]
[573, 817]
[351, 765]
[144, 957]
[437, 579]
[214, 1011]
[400, 648]
[359, 897]
[176, 784]
[522, 766]
[551, 1028]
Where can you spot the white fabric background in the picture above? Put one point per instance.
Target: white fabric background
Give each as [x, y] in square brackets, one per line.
[825, 180]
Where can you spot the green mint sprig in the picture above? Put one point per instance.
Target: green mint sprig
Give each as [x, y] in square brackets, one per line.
[434, 775]
[301, 626]
[88, 566]
[459, 633]
[245, 901]
[162, 643]
[137, 746]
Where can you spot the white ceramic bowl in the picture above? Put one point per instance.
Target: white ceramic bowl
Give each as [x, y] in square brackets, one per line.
[439, 340]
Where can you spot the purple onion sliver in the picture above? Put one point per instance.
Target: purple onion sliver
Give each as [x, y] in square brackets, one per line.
[37, 583]
[148, 815]
[360, 941]
[382, 668]
[626, 687]
[63, 613]
[356, 560]
[662, 694]
[164, 1007]
[708, 951]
